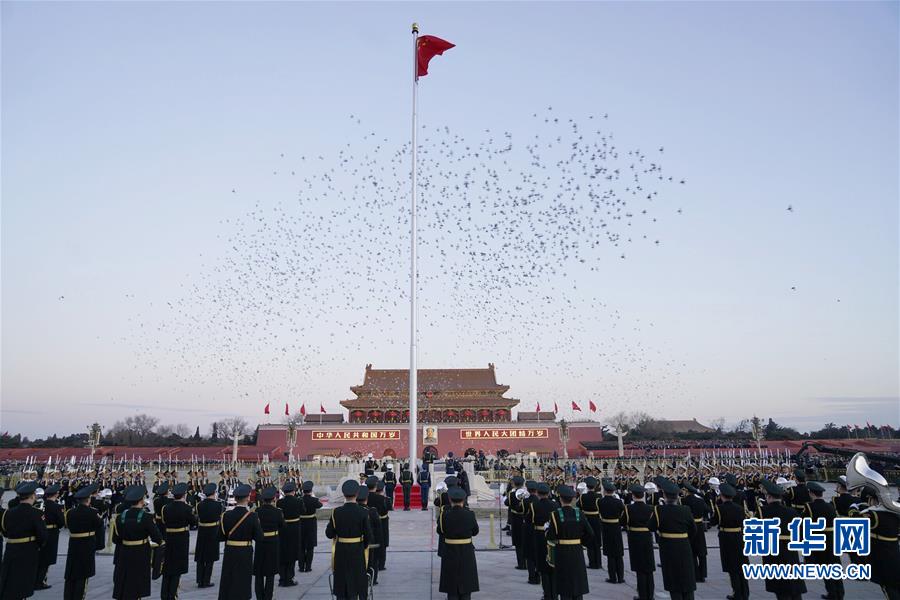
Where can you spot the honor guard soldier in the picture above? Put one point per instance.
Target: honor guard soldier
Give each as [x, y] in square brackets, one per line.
[133, 529]
[161, 499]
[700, 510]
[818, 508]
[729, 517]
[676, 527]
[515, 518]
[424, 479]
[459, 570]
[390, 482]
[611, 510]
[843, 499]
[406, 481]
[54, 520]
[23, 527]
[350, 534]
[884, 555]
[370, 466]
[238, 528]
[534, 577]
[83, 523]
[308, 527]
[206, 550]
[797, 496]
[636, 520]
[568, 530]
[784, 589]
[588, 504]
[177, 518]
[540, 516]
[380, 502]
[266, 561]
[362, 498]
[292, 508]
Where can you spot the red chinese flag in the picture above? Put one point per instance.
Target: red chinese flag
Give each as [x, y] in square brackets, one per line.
[303, 409]
[575, 406]
[287, 411]
[427, 47]
[322, 408]
[538, 407]
[555, 407]
[266, 409]
[592, 406]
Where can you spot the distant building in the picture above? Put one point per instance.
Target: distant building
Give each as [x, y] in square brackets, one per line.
[662, 427]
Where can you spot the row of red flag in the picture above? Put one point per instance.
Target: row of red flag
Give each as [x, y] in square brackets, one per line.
[591, 406]
[287, 410]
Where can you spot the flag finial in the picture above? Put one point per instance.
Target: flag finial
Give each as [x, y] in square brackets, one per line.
[415, 28]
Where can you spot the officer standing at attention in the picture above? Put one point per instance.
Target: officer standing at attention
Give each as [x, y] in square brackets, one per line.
[676, 527]
[797, 496]
[406, 481]
[540, 516]
[161, 499]
[380, 502]
[238, 528]
[568, 530]
[54, 520]
[390, 482]
[816, 509]
[459, 570]
[534, 577]
[424, 479]
[729, 516]
[266, 561]
[308, 526]
[587, 502]
[636, 520]
[362, 498]
[516, 519]
[784, 589]
[292, 508]
[843, 499]
[23, 527]
[700, 510]
[132, 530]
[177, 518]
[350, 534]
[611, 510]
[206, 551]
[83, 523]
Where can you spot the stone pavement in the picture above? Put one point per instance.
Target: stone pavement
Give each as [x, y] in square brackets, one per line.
[413, 571]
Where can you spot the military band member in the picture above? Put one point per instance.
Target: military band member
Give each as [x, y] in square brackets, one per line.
[588, 503]
[676, 527]
[238, 528]
[390, 482]
[539, 517]
[177, 518]
[83, 523]
[424, 479]
[206, 550]
[23, 527]
[784, 589]
[308, 527]
[459, 570]
[534, 576]
[797, 496]
[293, 509]
[515, 518]
[132, 531]
[729, 517]
[54, 520]
[266, 561]
[700, 510]
[379, 501]
[636, 519]
[818, 508]
[884, 555]
[406, 481]
[350, 535]
[362, 498]
[568, 530]
[159, 502]
[611, 510]
[843, 499]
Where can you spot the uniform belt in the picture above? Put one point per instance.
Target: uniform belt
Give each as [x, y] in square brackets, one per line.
[83, 534]
[610, 521]
[698, 520]
[270, 533]
[50, 526]
[238, 543]
[135, 542]
[517, 512]
[884, 538]
[569, 542]
[355, 540]
[673, 536]
[292, 520]
[177, 529]
[539, 528]
[730, 529]
[639, 529]
[383, 516]
[23, 540]
[784, 537]
[592, 513]
[311, 516]
[458, 542]
[208, 523]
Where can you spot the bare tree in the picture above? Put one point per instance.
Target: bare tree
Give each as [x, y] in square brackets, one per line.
[164, 430]
[233, 427]
[142, 425]
[621, 421]
[182, 431]
[742, 426]
[718, 424]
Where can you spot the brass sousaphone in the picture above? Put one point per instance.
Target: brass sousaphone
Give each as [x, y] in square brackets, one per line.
[860, 474]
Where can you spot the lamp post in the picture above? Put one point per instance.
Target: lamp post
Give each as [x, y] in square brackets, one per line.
[564, 438]
[94, 439]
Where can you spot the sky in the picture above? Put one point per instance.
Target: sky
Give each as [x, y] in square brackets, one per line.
[138, 139]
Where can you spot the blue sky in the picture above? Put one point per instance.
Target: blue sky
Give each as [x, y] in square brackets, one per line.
[125, 127]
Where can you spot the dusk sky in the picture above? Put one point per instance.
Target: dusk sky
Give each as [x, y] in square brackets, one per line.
[143, 142]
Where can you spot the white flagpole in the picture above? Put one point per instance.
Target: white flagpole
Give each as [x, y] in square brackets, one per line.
[413, 372]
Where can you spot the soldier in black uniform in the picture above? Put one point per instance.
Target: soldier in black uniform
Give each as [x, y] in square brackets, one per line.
[83, 523]
[784, 589]
[700, 510]
[406, 481]
[308, 527]
[266, 561]
[636, 520]
[611, 510]
[177, 518]
[538, 519]
[729, 517]
[206, 550]
[350, 535]
[815, 509]
[54, 520]
[23, 527]
[292, 508]
[588, 503]
[390, 482]
[884, 556]
[515, 518]
[534, 577]
[459, 570]
[424, 479]
[676, 527]
[797, 496]
[238, 528]
[370, 466]
[568, 530]
[131, 531]
[380, 502]
[843, 499]
[362, 498]
[159, 501]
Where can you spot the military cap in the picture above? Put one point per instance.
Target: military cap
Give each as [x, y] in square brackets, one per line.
[800, 474]
[451, 481]
[179, 490]
[290, 486]
[456, 494]
[543, 488]
[350, 488]
[371, 482]
[686, 485]
[242, 491]
[163, 488]
[85, 492]
[637, 489]
[209, 489]
[772, 488]
[590, 481]
[518, 480]
[813, 486]
[135, 493]
[51, 490]
[566, 492]
[727, 490]
[531, 485]
[608, 485]
[668, 486]
[308, 486]
[363, 493]
[268, 494]
[26, 488]
[730, 479]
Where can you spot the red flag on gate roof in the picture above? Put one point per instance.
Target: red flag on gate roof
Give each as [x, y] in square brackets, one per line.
[287, 411]
[555, 408]
[538, 409]
[427, 47]
[303, 409]
[266, 409]
[575, 406]
[592, 406]
[321, 408]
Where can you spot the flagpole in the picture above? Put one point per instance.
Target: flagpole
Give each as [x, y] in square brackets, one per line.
[413, 372]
